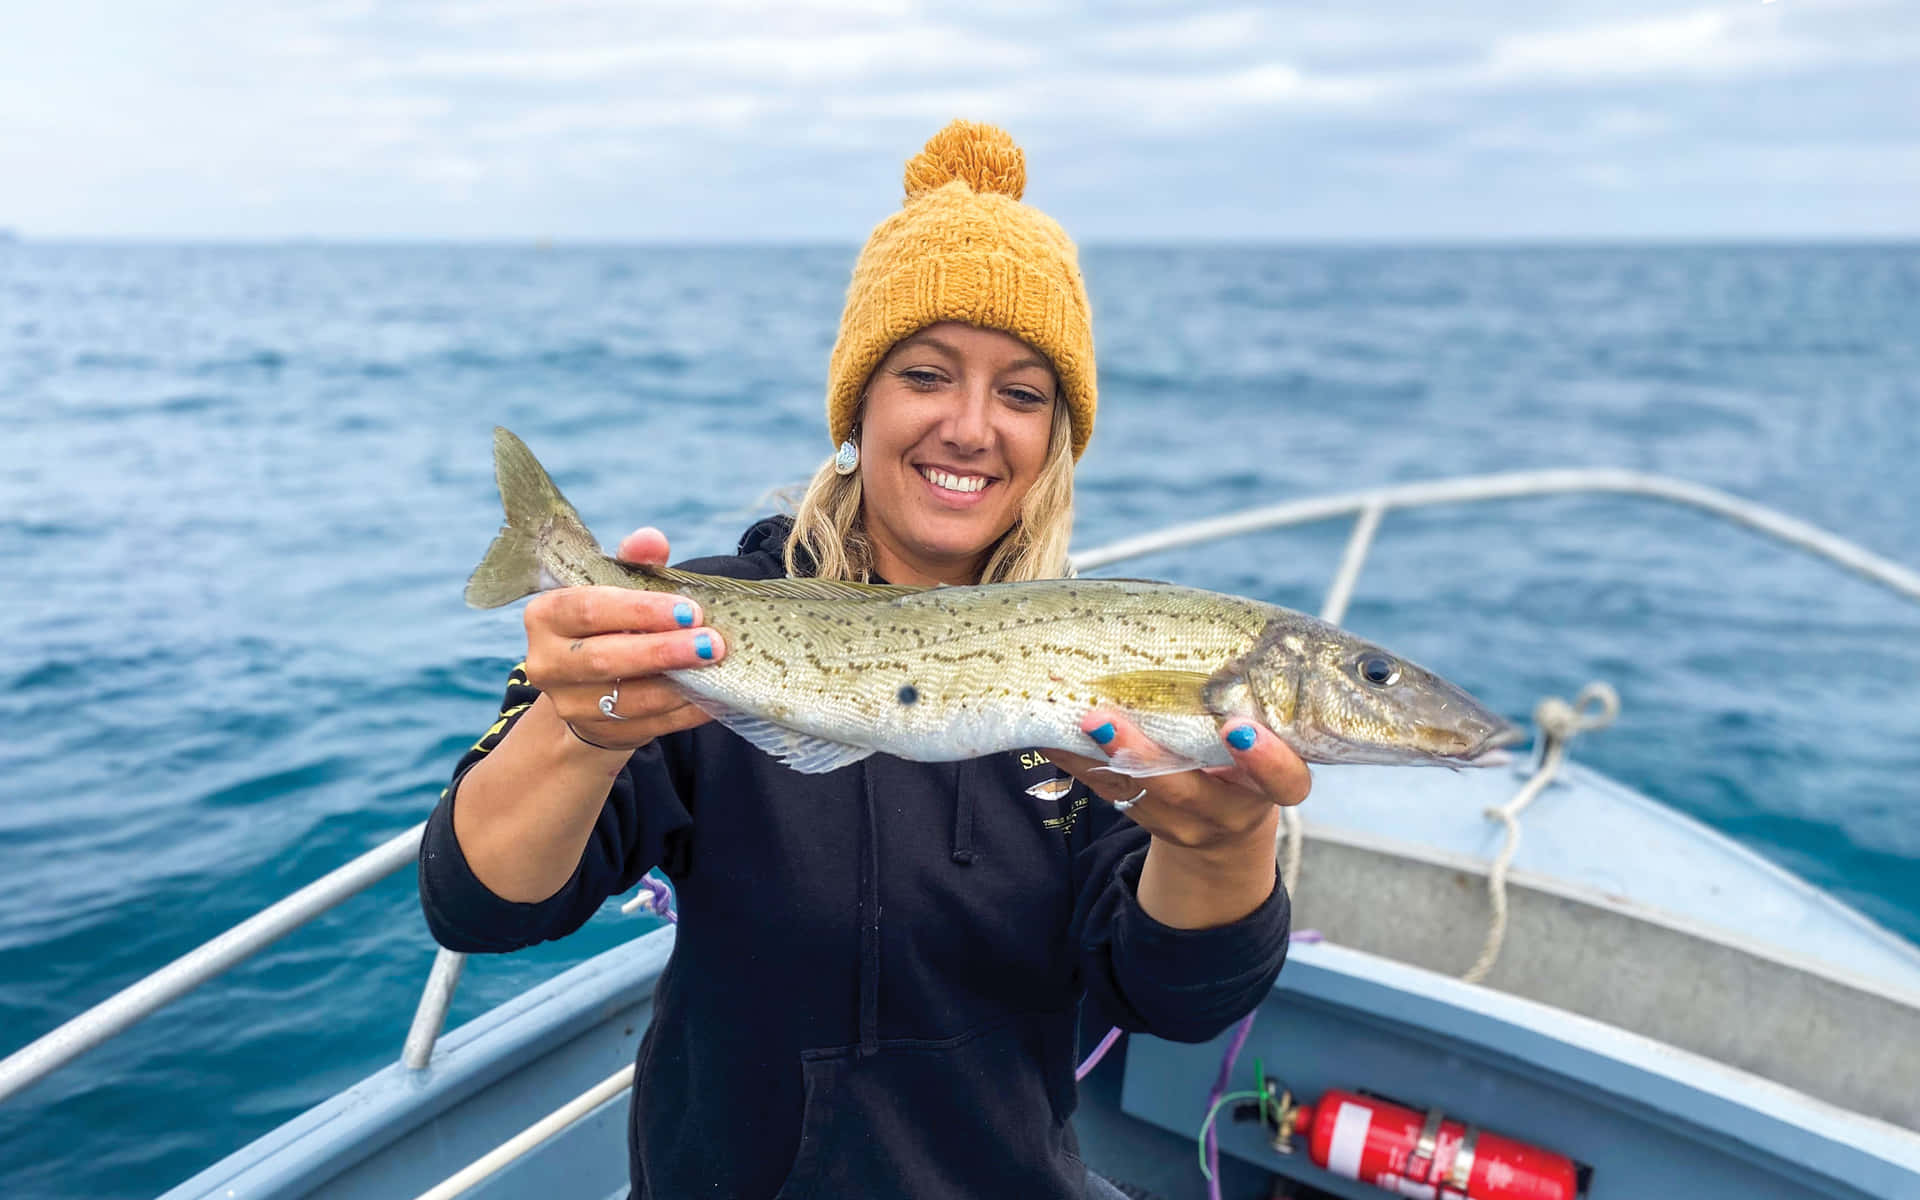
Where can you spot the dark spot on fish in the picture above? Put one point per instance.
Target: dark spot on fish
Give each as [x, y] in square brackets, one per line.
[909, 694]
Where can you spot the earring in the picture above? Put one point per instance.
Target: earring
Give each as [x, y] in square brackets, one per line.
[847, 459]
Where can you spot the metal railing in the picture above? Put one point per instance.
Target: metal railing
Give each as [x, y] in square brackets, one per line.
[115, 1014]
[1473, 488]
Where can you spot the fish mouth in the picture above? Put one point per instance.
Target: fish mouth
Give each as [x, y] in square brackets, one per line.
[1491, 750]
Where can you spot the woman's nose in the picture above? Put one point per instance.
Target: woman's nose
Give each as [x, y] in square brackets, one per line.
[968, 425]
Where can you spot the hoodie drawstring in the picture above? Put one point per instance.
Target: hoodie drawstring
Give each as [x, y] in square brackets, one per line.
[870, 888]
[963, 813]
[869, 919]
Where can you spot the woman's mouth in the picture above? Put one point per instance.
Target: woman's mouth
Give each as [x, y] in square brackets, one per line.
[954, 487]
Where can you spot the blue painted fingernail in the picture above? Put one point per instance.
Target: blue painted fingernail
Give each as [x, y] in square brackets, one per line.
[1103, 735]
[1241, 737]
[683, 613]
[703, 646]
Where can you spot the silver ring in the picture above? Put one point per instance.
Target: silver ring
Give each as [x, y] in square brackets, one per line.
[1124, 805]
[610, 701]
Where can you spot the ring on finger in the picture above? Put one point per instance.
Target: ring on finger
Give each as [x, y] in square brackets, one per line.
[1124, 805]
[611, 701]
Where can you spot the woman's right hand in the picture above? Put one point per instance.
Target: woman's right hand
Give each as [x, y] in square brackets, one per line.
[582, 641]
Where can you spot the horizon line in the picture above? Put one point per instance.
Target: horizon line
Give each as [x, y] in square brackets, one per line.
[15, 237]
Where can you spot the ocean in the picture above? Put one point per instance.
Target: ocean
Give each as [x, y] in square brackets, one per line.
[243, 488]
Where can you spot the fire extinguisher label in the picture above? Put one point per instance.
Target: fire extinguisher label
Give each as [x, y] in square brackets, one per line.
[1350, 1127]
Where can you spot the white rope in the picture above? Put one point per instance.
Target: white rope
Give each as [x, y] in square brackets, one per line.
[1293, 840]
[1559, 723]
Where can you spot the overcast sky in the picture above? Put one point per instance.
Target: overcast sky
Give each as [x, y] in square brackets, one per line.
[729, 121]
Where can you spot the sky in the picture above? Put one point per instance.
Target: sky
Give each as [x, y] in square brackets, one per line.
[722, 121]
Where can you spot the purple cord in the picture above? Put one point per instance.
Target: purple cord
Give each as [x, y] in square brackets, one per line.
[660, 899]
[1226, 1073]
[1240, 1033]
[1099, 1052]
[1113, 1035]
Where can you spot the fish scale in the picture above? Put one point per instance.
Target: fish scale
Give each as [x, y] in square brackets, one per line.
[823, 673]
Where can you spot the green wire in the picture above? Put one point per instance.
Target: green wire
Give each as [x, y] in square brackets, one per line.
[1260, 1081]
[1211, 1113]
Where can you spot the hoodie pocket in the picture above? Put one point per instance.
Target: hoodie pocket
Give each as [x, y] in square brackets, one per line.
[981, 1114]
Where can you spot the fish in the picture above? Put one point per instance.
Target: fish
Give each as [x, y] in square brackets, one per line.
[822, 673]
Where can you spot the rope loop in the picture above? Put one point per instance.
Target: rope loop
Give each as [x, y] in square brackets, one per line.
[1595, 707]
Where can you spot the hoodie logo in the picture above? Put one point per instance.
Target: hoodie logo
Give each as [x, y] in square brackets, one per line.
[1051, 789]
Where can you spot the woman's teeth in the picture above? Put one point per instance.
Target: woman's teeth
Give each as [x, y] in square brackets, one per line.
[954, 483]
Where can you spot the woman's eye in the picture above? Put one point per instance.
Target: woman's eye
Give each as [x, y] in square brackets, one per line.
[1378, 670]
[921, 377]
[1029, 399]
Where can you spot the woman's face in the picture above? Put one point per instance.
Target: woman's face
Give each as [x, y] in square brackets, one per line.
[953, 433]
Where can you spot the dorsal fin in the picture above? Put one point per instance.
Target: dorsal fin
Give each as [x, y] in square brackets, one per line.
[785, 589]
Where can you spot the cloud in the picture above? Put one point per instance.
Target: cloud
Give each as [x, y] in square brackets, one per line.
[697, 113]
[518, 104]
[1701, 41]
[802, 59]
[1223, 32]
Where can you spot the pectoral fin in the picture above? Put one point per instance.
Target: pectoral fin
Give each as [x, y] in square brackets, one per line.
[1150, 761]
[804, 752]
[1156, 690]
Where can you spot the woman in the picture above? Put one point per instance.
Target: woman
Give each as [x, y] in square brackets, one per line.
[877, 974]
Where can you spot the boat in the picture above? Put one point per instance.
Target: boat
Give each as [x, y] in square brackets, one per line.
[1647, 1009]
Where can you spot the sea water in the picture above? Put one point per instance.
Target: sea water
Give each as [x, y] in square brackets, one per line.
[242, 488]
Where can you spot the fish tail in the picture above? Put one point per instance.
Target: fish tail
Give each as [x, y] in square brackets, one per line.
[535, 509]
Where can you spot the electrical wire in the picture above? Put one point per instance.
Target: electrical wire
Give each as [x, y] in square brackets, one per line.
[1210, 1150]
[1205, 1137]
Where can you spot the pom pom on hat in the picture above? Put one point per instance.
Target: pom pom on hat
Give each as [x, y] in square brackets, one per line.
[984, 157]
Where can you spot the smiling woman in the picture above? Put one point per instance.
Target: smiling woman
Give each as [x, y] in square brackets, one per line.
[958, 427]
[932, 1056]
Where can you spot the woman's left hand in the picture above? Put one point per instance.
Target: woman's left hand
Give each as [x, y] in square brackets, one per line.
[1200, 809]
[1211, 860]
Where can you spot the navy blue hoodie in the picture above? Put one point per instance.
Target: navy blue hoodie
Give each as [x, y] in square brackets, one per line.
[875, 982]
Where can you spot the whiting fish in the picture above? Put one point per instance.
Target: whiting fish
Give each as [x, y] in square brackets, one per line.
[821, 674]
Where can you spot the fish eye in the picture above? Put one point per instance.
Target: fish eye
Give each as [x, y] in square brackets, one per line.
[1378, 670]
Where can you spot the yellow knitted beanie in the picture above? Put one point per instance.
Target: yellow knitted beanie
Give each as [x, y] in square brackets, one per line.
[963, 248]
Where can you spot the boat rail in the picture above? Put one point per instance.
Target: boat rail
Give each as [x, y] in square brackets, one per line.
[112, 1016]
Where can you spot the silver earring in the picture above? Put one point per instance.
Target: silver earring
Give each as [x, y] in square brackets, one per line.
[847, 459]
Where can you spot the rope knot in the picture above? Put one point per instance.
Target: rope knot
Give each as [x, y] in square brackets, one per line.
[654, 897]
[1594, 708]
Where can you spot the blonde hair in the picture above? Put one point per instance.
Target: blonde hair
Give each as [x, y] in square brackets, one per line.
[830, 535]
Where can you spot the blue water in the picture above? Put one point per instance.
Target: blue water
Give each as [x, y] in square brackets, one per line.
[244, 486]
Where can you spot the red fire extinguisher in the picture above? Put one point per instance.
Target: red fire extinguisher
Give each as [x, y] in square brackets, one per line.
[1423, 1154]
